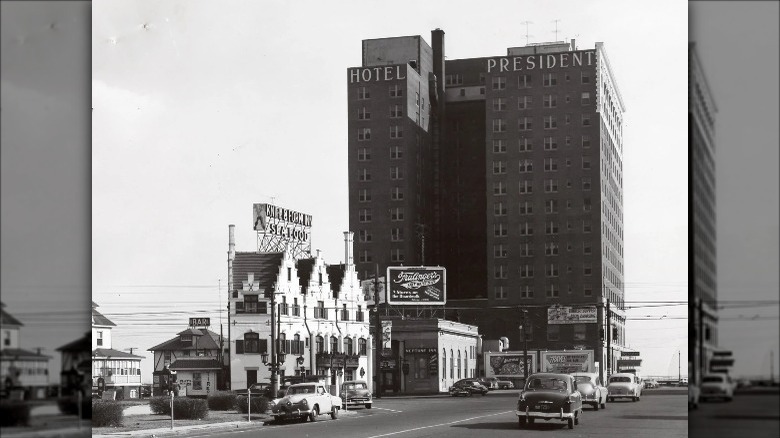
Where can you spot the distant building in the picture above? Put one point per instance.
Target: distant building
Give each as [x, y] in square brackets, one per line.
[76, 366]
[195, 355]
[20, 369]
[112, 369]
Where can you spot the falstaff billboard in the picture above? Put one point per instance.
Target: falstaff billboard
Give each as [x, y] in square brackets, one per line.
[417, 286]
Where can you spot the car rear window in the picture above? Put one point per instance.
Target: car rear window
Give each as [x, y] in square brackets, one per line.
[546, 383]
[620, 379]
[712, 379]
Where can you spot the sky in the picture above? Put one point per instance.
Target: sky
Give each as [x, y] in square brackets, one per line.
[201, 109]
[739, 48]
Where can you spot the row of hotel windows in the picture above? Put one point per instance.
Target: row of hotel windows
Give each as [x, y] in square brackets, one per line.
[548, 80]
[551, 270]
[396, 194]
[365, 215]
[252, 344]
[551, 186]
[396, 173]
[526, 102]
[394, 91]
[551, 228]
[527, 123]
[396, 153]
[501, 250]
[525, 144]
[527, 165]
[251, 304]
[396, 112]
[396, 235]
[365, 133]
[526, 187]
[396, 255]
[527, 208]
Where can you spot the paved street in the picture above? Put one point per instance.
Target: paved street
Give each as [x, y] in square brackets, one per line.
[654, 416]
[753, 416]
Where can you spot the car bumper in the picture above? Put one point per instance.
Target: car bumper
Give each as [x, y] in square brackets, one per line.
[560, 415]
[357, 401]
[293, 413]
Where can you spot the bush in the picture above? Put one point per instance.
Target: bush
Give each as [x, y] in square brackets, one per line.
[221, 401]
[70, 406]
[106, 413]
[183, 407]
[14, 413]
[259, 404]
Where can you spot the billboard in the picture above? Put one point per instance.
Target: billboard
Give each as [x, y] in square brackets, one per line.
[508, 364]
[567, 362]
[416, 286]
[280, 229]
[571, 315]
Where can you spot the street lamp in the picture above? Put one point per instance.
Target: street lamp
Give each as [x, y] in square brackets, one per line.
[274, 367]
[523, 329]
[299, 360]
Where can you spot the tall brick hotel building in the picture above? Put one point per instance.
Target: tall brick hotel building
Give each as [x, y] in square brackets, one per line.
[506, 170]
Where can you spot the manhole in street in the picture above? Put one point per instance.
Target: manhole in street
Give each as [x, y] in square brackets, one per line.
[656, 417]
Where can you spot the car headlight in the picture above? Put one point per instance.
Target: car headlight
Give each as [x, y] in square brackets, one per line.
[304, 402]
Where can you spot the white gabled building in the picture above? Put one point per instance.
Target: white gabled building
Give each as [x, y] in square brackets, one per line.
[322, 320]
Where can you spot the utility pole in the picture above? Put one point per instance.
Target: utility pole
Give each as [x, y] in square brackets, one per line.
[379, 335]
[609, 340]
[274, 380]
[771, 366]
[523, 329]
[679, 375]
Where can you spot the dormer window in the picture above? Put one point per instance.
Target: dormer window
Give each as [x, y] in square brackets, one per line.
[186, 338]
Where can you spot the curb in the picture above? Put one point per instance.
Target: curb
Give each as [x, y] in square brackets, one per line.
[51, 433]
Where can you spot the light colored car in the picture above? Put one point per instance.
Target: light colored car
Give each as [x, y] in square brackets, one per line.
[716, 386]
[693, 396]
[651, 384]
[505, 384]
[624, 385]
[354, 393]
[305, 401]
[593, 392]
[549, 396]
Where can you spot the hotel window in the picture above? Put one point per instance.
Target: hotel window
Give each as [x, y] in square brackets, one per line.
[587, 249]
[579, 332]
[551, 249]
[567, 118]
[417, 98]
[364, 215]
[364, 114]
[585, 98]
[526, 166]
[364, 134]
[526, 187]
[396, 234]
[568, 98]
[526, 208]
[499, 82]
[526, 250]
[587, 269]
[550, 165]
[499, 188]
[524, 145]
[526, 271]
[526, 229]
[396, 173]
[550, 144]
[586, 120]
[364, 236]
[586, 205]
[552, 291]
[499, 292]
[549, 80]
[551, 228]
[365, 257]
[553, 332]
[524, 81]
[363, 93]
[499, 209]
[587, 291]
[525, 123]
[585, 141]
[499, 125]
[499, 251]
[99, 339]
[526, 292]
[397, 214]
[499, 230]
[362, 347]
[499, 104]
[550, 101]
[585, 163]
[395, 111]
[551, 206]
[499, 167]
[396, 91]
[364, 154]
[551, 186]
[396, 255]
[499, 272]
[396, 153]
[364, 195]
[551, 270]
[567, 140]
[524, 102]
[585, 77]
[550, 122]
[586, 227]
[499, 146]
[396, 132]
[396, 194]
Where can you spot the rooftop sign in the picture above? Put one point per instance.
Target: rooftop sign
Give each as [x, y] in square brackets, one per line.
[281, 229]
[543, 61]
[416, 286]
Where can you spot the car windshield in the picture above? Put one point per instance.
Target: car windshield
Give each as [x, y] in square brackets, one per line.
[293, 390]
[354, 386]
[584, 385]
[546, 383]
[620, 379]
[712, 379]
[582, 378]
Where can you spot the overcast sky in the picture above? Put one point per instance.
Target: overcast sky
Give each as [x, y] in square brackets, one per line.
[738, 45]
[202, 109]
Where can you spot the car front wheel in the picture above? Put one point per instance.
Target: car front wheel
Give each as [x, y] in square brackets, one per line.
[521, 422]
[313, 414]
[334, 414]
[368, 405]
[571, 423]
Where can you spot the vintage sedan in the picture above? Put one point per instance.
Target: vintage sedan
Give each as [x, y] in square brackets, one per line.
[716, 386]
[354, 393]
[305, 401]
[593, 392]
[624, 385]
[549, 396]
[467, 387]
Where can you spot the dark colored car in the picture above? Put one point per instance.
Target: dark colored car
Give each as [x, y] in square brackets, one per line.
[549, 396]
[467, 387]
[146, 391]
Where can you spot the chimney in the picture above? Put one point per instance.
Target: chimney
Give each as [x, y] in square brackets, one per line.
[349, 261]
[38, 349]
[573, 44]
[231, 255]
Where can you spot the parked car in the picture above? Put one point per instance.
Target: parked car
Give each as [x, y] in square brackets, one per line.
[505, 384]
[716, 386]
[624, 385]
[549, 396]
[490, 383]
[693, 396]
[651, 384]
[467, 387]
[593, 392]
[305, 400]
[744, 383]
[146, 391]
[354, 393]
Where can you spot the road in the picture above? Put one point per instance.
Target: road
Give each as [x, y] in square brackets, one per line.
[654, 416]
[753, 416]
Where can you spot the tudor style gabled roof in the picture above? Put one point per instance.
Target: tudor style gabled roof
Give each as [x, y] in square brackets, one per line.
[99, 319]
[305, 268]
[336, 277]
[6, 318]
[195, 363]
[209, 342]
[264, 266]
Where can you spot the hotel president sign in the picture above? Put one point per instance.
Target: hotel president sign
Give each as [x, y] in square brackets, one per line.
[416, 286]
[279, 229]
